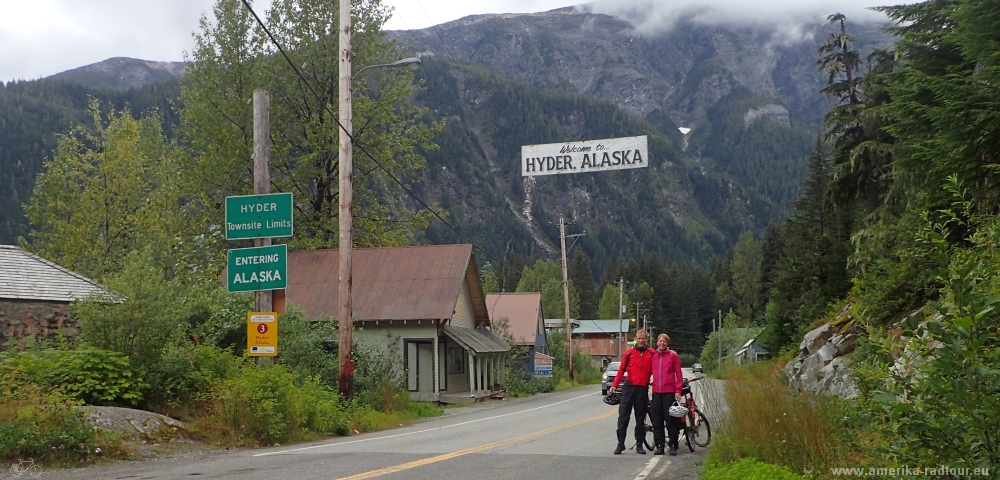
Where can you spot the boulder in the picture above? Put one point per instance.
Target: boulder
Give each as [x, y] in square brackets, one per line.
[815, 339]
[140, 425]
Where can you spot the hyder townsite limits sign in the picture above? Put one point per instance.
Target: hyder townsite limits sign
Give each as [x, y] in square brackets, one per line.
[586, 156]
[259, 216]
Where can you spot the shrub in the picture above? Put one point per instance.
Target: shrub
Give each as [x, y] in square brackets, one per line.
[303, 346]
[687, 359]
[379, 378]
[269, 404]
[770, 422]
[185, 374]
[939, 402]
[748, 469]
[89, 375]
[48, 428]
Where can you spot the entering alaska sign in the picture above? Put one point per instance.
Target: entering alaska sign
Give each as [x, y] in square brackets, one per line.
[585, 156]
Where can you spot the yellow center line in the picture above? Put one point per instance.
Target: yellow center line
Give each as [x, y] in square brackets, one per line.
[480, 448]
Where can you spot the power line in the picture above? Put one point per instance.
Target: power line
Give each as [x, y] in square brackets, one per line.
[361, 147]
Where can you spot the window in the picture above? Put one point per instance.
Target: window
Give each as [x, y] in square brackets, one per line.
[456, 363]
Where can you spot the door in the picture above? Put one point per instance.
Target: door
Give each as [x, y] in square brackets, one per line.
[419, 365]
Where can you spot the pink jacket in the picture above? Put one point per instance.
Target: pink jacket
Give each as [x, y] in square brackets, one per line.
[667, 376]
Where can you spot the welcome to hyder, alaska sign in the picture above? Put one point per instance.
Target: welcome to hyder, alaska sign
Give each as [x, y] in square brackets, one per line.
[586, 156]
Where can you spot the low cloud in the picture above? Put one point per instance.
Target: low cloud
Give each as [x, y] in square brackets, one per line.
[789, 20]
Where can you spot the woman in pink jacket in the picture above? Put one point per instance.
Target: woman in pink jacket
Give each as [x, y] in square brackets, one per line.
[667, 383]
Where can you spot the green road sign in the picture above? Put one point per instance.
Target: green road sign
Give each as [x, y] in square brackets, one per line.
[259, 216]
[257, 268]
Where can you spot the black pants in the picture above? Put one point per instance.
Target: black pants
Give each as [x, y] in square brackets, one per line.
[633, 397]
[661, 412]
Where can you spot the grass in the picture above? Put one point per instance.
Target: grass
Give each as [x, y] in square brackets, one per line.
[770, 422]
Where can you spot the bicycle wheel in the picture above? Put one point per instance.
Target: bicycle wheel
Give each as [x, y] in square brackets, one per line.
[701, 430]
[647, 438]
[35, 471]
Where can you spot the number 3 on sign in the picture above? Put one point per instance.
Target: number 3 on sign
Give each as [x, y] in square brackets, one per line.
[262, 334]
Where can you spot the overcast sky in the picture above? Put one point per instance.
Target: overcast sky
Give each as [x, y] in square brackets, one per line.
[39, 38]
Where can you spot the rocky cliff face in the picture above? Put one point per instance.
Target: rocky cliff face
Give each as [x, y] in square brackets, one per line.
[681, 72]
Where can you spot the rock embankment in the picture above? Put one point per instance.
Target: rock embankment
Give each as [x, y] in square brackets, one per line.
[822, 365]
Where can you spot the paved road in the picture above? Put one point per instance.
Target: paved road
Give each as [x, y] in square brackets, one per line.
[561, 435]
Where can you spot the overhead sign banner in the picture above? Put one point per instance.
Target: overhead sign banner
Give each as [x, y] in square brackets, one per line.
[257, 268]
[259, 216]
[262, 334]
[582, 157]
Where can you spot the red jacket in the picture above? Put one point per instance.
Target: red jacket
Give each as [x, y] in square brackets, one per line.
[667, 376]
[638, 364]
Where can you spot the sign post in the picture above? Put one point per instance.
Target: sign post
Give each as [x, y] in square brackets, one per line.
[262, 334]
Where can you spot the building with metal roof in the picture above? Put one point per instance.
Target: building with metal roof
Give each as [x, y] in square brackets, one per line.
[525, 321]
[35, 295]
[425, 303]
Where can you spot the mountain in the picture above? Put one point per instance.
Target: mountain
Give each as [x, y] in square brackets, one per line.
[749, 104]
[123, 73]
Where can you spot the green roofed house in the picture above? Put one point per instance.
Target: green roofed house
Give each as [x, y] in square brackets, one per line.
[424, 305]
[35, 296]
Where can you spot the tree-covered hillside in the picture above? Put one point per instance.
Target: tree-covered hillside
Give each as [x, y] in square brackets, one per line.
[34, 113]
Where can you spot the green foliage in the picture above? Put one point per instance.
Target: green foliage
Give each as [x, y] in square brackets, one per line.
[940, 394]
[47, 427]
[34, 113]
[748, 469]
[491, 284]
[582, 278]
[732, 339]
[140, 319]
[108, 194]
[770, 422]
[232, 57]
[584, 370]
[306, 347]
[270, 404]
[607, 308]
[545, 276]
[88, 375]
[185, 374]
[379, 377]
[744, 291]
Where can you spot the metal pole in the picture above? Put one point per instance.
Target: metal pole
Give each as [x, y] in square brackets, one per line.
[345, 312]
[569, 328]
[720, 339]
[262, 175]
[621, 282]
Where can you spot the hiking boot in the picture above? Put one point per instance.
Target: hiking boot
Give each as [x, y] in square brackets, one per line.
[619, 449]
[639, 449]
[673, 451]
[659, 450]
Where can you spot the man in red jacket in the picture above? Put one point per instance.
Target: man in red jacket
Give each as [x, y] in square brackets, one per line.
[638, 363]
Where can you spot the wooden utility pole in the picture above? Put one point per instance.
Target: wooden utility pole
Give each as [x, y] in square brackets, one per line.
[345, 310]
[621, 298]
[569, 328]
[262, 175]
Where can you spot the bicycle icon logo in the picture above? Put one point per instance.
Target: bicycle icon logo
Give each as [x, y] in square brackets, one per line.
[25, 469]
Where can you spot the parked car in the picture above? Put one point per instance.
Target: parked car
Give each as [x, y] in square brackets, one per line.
[608, 377]
[697, 368]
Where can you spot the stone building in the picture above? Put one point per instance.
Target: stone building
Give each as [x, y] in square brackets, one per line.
[35, 297]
